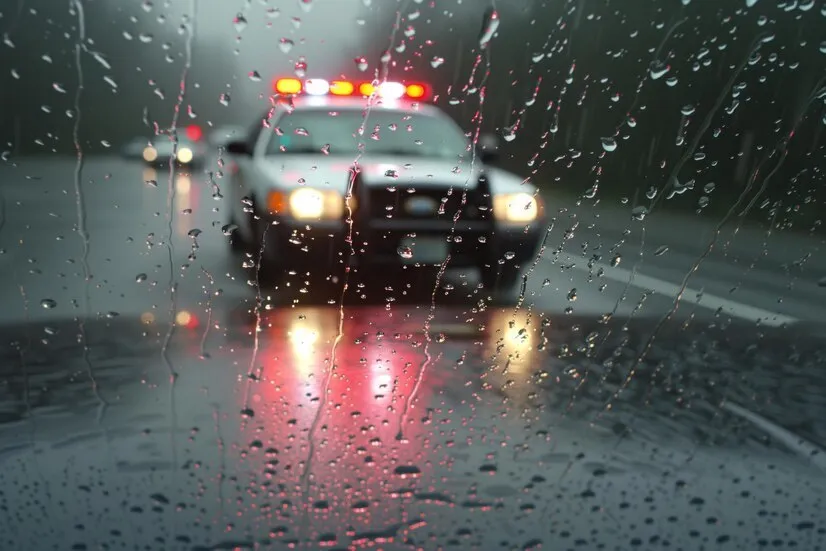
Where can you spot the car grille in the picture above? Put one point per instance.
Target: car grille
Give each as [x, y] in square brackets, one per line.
[401, 203]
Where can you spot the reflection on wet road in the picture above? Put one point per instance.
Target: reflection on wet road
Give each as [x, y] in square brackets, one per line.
[562, 423]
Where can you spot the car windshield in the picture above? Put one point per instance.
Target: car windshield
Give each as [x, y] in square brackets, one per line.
[382, 132]
[560, 284]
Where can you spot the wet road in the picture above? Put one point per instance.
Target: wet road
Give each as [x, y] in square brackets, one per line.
[579, 421]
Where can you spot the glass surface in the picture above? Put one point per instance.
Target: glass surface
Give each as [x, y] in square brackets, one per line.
[184, 365]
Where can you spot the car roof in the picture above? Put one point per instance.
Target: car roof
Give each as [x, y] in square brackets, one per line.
[360, 103]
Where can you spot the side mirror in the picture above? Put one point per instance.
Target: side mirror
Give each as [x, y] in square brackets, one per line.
[488, 147]
[238, 148]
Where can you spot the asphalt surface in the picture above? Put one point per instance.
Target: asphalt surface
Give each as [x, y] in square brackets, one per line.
[594, 414]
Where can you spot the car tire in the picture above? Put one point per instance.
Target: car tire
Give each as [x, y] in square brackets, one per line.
[501, 281]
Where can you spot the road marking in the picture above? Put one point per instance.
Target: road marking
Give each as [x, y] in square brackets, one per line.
[706, 300]
[805, 449]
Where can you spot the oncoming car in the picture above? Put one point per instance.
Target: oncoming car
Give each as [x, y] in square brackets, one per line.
[191, 149]
[344, 173]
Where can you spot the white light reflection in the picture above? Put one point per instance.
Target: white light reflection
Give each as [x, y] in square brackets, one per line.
[303, 335]
[512, 344]
[183, 203]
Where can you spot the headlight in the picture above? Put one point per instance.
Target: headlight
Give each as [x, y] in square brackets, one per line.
[185, 155]
[309, 204]
[515, 207]
[150, 154]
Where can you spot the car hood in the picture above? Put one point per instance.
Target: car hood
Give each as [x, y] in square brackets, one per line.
[289, 171]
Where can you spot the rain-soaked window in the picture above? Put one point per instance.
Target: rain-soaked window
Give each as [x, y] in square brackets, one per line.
[412, 274]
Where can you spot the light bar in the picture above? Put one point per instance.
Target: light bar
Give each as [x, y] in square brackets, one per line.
[321, 87]
[317, 87]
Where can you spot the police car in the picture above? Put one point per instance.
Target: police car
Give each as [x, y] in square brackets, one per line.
[372, 176]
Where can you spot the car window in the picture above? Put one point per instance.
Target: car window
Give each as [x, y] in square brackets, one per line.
[339, 132]
[412, 275]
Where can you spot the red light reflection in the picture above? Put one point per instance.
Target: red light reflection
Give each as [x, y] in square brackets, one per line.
[358, 461]
[194, 132]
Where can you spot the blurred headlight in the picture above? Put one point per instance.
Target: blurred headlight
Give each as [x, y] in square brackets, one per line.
[314, 204]
[185, 155]
[150, 154]
[515, 207]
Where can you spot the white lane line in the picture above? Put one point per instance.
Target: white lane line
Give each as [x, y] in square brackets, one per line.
[707, 300]
[805, 449]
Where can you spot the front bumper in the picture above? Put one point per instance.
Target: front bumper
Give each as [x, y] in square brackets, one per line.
[306, 245]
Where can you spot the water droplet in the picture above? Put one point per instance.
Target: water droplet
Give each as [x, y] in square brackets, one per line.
[48, 303]
[616, 260]
[709, 187]
[361, 63]
[147, 5]
[651, 193]
[687, 110]
[823, 47]
[285, 45]
[661, 250]
[272, 13]
[247, 413]
[609, 144]
[240, 23]
[405, 252]
[750, 3]
[59, 88]
[224, 99]
[255, 76]
[228, 229]
[639, 212]
[510, 255]
[194, 233]
[437, 61]
[153, 183]
[408, 471]
[671, 81]
[146, 38]
[306, 5]
[572, 295]
[112, 314]
[658, 69]
[392, 173]
[490, 24]
[140, 278]
[300, 67]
